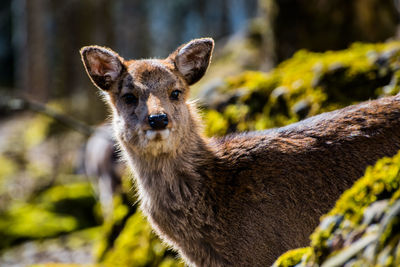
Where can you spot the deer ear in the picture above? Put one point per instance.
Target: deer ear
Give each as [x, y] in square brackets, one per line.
[103, 65]
[193, 58]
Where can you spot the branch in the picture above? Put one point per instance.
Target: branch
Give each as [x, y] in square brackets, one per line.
[19, 103]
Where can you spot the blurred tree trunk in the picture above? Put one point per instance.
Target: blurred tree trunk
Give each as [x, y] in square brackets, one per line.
[131, 25]
[320, 25]
[76, 24]
[31, 46]
[6, 53]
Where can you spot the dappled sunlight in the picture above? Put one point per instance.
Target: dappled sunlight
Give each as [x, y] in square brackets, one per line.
[67, 196]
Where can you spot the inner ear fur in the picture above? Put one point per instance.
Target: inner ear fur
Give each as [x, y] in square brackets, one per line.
[192, 59]
[103, 65]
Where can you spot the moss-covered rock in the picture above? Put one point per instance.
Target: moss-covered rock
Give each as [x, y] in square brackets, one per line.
[60, 209]
[293, 257]
[128, 239]
[75, 247]
[321, 25]
[35, 153]
[304, 85]
[363, 229]
[114, 225]
[137, 245]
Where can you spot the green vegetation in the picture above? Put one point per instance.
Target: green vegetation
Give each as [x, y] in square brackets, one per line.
[58, 210]
[128, 239]
[304, 85]
[137, 245]
[293, 257]
[113, 226]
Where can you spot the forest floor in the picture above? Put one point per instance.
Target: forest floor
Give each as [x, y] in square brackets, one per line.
[70, 248]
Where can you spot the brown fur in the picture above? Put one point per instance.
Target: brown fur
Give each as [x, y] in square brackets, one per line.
[244, 199]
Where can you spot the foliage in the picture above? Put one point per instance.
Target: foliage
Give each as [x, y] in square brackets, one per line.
[137, 245]
[60, 209]
[39, 195]
[128, 239]
[113, 225]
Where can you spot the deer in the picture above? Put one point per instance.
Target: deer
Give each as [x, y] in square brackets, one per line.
[245, 198]
[103, 167]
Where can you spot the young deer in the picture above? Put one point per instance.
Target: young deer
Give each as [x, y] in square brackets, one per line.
[243, 199]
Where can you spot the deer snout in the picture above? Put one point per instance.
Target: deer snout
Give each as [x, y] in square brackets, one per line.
[158, 121]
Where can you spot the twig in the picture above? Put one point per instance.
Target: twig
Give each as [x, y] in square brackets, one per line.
[18, 103]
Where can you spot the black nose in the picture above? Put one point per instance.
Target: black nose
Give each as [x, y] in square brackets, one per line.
[158, 122]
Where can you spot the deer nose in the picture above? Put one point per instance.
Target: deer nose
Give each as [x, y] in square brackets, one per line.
[158, 122]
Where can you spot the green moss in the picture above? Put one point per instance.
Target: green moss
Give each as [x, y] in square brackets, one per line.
[236, 116]
[42, 126]
[83, 237]
[254, 81]
[127, 238]
[292, 257]
[307, 84]
[216, 124]
[38, 130]
[137, 245]
[58, 210]
[113, 226]
[30, 221]
[7, 167]
[69, 191]
[75, 199]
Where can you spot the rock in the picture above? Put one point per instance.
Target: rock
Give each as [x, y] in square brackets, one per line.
[58, 210]
[302, 108]
[374, 212]
[308, 84]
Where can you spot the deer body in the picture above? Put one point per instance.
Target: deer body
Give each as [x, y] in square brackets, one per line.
[244, 199]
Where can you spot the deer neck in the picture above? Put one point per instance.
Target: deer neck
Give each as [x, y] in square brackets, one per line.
[172, 179]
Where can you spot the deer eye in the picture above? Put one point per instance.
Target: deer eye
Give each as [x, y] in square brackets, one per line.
[175, 94]
[129, 99]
